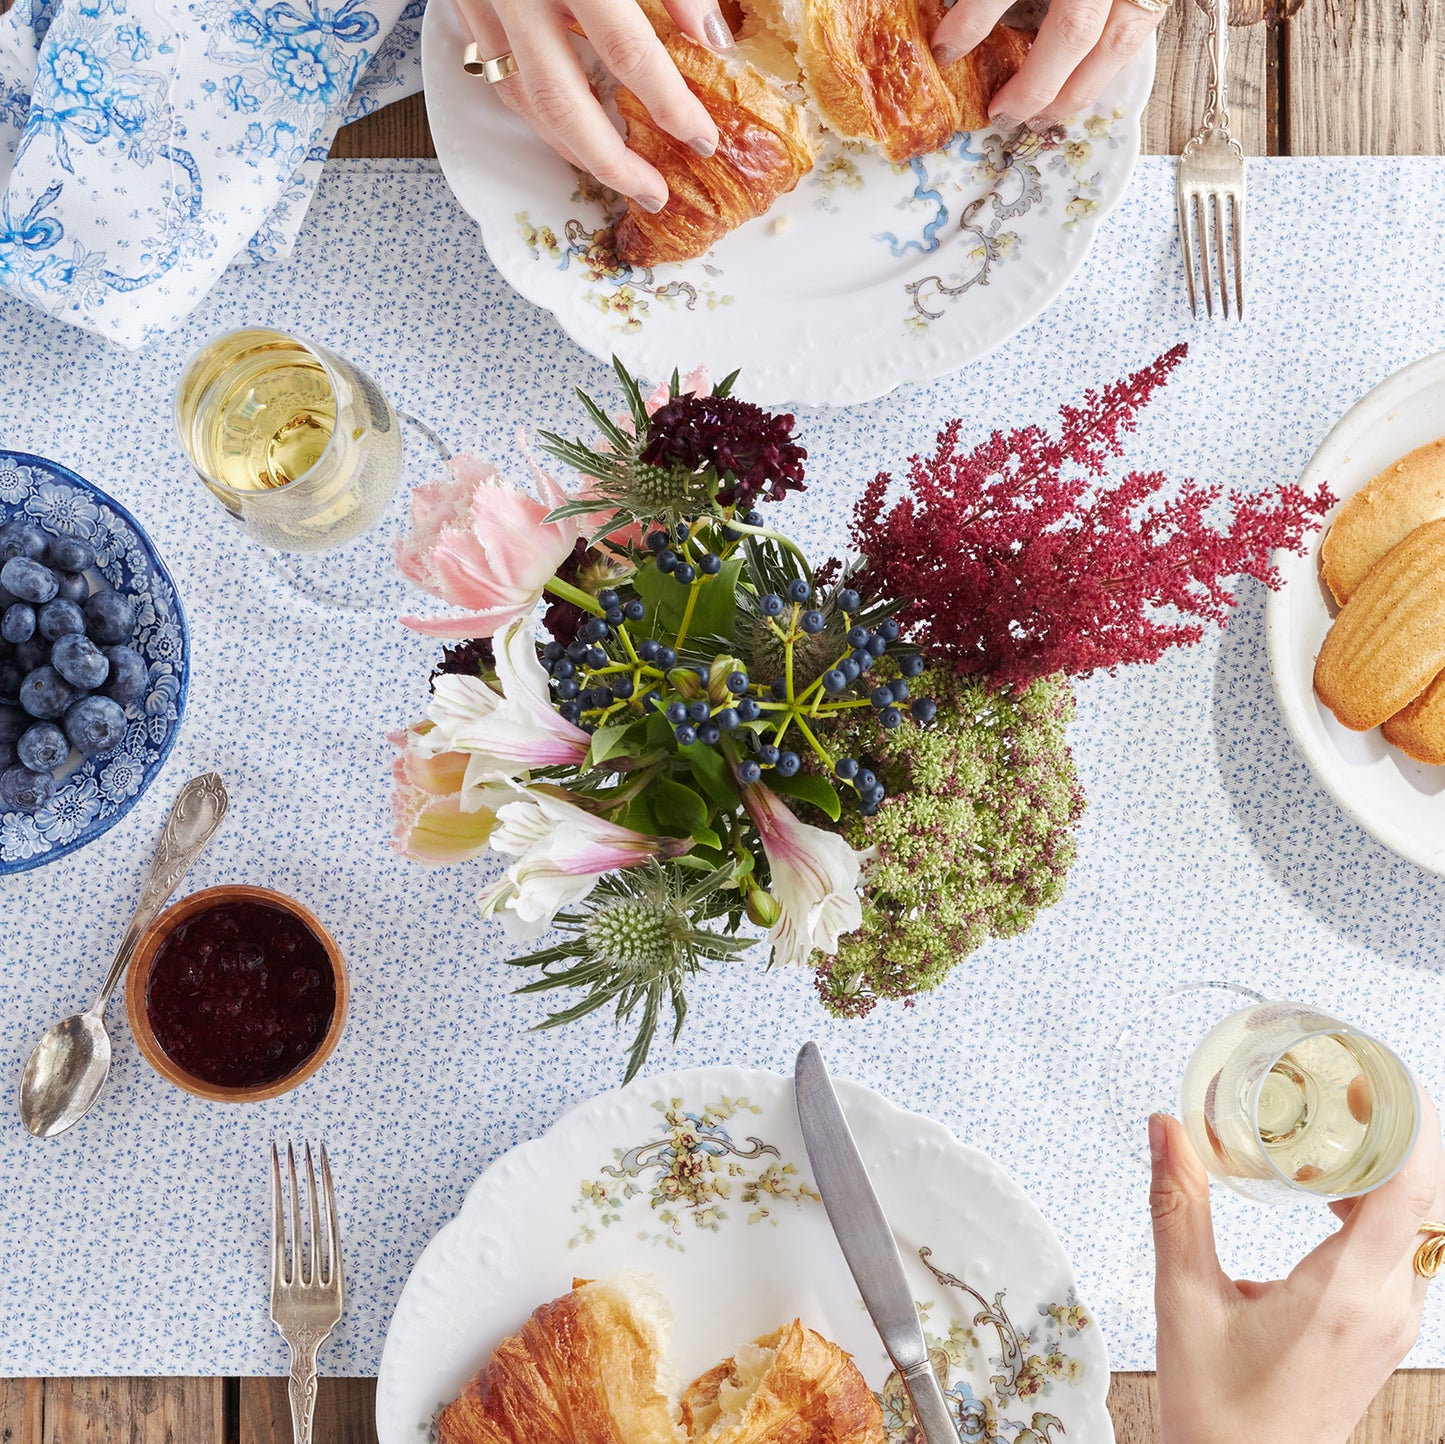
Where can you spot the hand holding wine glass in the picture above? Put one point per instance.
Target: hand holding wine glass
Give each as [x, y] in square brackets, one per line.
[1295, 1360]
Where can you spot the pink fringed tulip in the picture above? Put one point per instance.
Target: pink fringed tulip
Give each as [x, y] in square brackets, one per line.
[815, 879]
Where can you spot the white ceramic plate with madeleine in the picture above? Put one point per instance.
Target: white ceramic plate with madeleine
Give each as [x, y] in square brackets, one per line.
[700, 1181]
[865, 276]
[1396, 799]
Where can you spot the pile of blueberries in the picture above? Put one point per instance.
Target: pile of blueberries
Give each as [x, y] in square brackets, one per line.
[67, 669]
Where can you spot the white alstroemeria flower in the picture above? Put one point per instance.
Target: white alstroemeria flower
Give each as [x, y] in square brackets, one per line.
[509, 732]
[815, 879]
[561, 850]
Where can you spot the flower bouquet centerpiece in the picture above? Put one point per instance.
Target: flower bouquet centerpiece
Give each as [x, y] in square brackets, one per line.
[672, 723]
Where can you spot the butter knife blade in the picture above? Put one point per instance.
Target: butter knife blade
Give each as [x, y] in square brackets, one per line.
[867, 1242]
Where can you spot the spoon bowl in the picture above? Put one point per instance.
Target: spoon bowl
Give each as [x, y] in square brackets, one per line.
[65, 1074]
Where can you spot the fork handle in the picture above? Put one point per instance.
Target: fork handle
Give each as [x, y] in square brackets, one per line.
[1216, 109]
[301, 1383]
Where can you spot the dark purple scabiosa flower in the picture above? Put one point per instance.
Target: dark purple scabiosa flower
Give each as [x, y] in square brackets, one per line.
[751, 450]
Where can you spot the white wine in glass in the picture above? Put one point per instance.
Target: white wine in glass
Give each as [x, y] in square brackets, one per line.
[299, 445]
[1281, 1099]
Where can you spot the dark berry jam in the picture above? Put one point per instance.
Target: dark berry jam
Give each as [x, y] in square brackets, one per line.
[241, 995]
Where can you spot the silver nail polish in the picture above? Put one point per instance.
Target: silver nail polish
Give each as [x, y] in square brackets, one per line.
[704, 148]
[651, 204]
[719, 36]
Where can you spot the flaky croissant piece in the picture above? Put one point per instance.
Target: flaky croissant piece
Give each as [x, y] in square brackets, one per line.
[792, 1386]
[588, 1368]
[766, 146]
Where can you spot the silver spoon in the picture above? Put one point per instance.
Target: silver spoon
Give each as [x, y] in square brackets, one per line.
[70, 1063]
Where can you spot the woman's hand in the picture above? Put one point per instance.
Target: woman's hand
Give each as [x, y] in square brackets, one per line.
[1296, 1361]
[1081, 46]
[550, 89]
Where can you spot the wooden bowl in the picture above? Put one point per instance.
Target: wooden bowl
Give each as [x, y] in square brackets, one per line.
[139, 974]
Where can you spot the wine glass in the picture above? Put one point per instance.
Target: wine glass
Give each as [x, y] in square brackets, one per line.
[1278, 1098]
[304, 452]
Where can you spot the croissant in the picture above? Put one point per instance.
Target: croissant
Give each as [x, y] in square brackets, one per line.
[588, 1368]
[792, 1386]
[765, 147]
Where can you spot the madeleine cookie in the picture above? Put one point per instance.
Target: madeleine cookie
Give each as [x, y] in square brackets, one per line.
[1388, 642]
[1381, 514]
[1419, 729]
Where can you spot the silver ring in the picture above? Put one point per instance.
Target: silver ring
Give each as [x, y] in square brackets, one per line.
[498, 67]
[1152, 6]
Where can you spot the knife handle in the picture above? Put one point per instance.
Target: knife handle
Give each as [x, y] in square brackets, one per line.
[930, 1408]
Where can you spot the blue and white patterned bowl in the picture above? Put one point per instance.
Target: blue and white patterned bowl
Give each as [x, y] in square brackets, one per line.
[101, 790]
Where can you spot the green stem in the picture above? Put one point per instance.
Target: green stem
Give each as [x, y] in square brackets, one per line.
[817, 746]
[575, 595]
[686, 616]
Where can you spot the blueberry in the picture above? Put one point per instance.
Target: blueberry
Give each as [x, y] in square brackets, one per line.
[772, 605]
[748, 709]
[911, 666]
[21, 539]
[595, 657]
[753, 518]
[553, 652]
[834, 680]
[614, 616]
[562, 669]
[864, 659]
[32, 654]
[749, 772]
[45, 693]
[710, 564]
[69, 554]
[676, 713]
[569, 711]
[788, 763]
[72, 586]
[778, 689]
[708, 733]
[858, 636]
[666, 559]
[95, 726]
[24, 790]
[730, 535]
[846, 768]
[647, 649]
[593, 630]
[666, 658]
[607, 599]
[59, 618]
[685, 573]
[865, 781]
[899, 688]
[42, 748]
[622, 688]
[849, 600]
[81, 663]
[29, 581]
[656, 540]
[728, 719]
[769, 754]
[923, 710]
[890, 717]
[128, 675]
[888, 628]
[737, 681]
[567, 689]
[799, 590]
[850, 669]
[875, 794]
[868, 809]
[634, 611]
[109, 616]
[650, 699]
[576, 650]
[699, 711]
[881, 697]
[18, 622]
[686, 735]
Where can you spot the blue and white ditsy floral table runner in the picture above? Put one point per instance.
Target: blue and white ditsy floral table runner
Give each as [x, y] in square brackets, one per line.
[137, 1243]
[145, 144]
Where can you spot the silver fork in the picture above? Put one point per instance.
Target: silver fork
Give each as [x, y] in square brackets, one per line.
[1210, 183]
[306, 1285]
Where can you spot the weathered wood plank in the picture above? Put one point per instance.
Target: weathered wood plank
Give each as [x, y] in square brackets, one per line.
[399, 129]
[345, 1411]
[1366, 77]
[133, 1411]
[1177, 106]
[20, 1411]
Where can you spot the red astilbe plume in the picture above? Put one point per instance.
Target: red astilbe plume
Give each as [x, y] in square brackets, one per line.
[1016, 560]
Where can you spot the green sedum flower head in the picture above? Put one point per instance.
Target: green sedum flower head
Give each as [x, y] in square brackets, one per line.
[975, 838]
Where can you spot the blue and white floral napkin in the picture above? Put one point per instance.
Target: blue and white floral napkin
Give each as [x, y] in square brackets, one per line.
[146, 144]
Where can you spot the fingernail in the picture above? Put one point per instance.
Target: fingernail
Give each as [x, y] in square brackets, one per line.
[704, 147]
[1158, 1137]
[651, 204]
[946, 54]
[1005, 122]
[719, 36]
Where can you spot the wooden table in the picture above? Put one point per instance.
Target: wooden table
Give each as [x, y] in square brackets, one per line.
[1335, 77]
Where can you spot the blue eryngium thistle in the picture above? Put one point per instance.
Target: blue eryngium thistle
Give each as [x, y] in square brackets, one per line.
[633, 944]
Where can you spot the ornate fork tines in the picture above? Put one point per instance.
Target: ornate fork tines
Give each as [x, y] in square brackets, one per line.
[306, 1274]
[1210, 189]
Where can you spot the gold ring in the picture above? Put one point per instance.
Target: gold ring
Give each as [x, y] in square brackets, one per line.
[499, 67]
[1152, 6]
[1431, 1254]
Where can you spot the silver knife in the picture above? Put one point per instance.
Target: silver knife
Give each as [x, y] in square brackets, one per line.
[867, 1242]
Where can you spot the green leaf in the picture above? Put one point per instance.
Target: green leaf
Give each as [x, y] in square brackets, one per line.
[613, 741]
[710, 771]
[681, 812]
[714, 614]
[640, 817]
[809, 788]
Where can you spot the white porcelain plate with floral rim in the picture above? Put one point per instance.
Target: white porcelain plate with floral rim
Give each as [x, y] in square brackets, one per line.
[1399, 802]
[865, 276]
[701, 1179]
